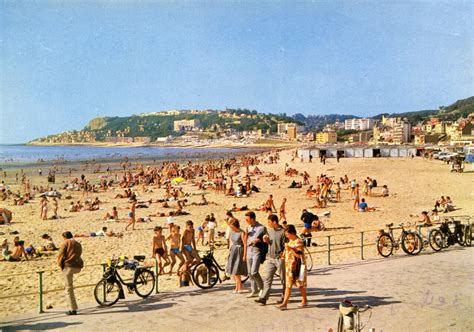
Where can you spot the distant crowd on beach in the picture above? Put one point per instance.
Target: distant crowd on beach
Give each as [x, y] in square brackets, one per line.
[273, 240]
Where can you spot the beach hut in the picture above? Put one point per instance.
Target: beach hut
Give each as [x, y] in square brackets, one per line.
[315, 153]
[402, 152]
[358, 152]
[376, 152]
[411, 151]
[385, 152]
[349, 152]
[341, 153]
[368, 153]
[394, 152]
[332, 152]
[303, 153]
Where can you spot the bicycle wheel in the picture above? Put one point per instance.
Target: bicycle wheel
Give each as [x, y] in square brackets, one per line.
[144, 282]
[107, 293]
[412, 243]
[205, 276]
[467, 236]
[385, 245]
[308, 259]
[436, 240]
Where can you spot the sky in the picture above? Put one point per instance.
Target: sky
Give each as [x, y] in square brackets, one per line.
[63, 63]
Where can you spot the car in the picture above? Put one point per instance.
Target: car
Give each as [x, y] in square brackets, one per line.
[448, 155]
[441, 155]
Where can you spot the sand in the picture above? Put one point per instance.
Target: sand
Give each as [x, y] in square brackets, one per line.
[414, 186]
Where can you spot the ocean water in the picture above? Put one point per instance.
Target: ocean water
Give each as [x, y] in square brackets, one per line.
[12, 154]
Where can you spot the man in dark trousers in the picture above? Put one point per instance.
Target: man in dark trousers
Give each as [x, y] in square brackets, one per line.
[70, 262]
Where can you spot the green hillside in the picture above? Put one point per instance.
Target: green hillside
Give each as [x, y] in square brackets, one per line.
[160, 124]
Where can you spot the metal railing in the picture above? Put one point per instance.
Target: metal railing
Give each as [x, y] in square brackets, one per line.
[41, 291]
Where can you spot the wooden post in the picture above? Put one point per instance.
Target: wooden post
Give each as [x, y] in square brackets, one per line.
[40, 291]
[329, 249]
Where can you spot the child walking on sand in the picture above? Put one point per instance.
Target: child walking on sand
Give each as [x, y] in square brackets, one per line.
[175, 240]
[131, 215]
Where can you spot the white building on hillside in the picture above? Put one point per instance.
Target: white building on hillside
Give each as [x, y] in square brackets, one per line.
[359, 124]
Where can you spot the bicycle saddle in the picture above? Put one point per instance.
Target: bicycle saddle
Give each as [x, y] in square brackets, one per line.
[139, 258]
[389, 225]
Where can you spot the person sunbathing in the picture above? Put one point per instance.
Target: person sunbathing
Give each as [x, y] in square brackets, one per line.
[102, 232]
[49, 244]
[112, 216]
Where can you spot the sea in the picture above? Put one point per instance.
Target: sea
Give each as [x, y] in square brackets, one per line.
[27, 154]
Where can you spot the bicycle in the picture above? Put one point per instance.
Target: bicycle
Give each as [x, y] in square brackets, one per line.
[410, 241]
[443, 237]
[349, 317]
[110, 288]
[206, 274]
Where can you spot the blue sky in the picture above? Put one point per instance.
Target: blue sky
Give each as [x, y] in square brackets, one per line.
[64, 63]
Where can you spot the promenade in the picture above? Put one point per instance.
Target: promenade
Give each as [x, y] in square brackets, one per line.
[430, 292]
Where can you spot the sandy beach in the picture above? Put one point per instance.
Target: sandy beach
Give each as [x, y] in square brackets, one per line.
[414, 186]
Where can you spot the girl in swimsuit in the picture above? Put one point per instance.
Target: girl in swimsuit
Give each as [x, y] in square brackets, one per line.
[159, 249]
[175, 241]
[283, 210]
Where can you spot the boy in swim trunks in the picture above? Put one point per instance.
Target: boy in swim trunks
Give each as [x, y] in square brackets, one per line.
[188, 245]
[175, 240]
[131, 215]
[159, 249]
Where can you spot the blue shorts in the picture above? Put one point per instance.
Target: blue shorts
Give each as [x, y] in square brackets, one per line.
[175, 250]
[199, 228]
[130, 214]
[188, 247]
[307, 225]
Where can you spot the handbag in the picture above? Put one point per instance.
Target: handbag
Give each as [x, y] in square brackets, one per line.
[302, 272]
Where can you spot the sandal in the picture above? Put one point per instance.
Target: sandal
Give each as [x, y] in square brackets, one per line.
[281, 307]
[302, 305]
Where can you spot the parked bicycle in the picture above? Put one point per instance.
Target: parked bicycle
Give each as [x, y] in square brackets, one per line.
[410, 241]
[206, 274]
[349, 317]
[443, 237]
[110, 288]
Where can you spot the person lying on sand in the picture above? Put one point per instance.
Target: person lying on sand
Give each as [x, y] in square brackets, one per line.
[102, 232]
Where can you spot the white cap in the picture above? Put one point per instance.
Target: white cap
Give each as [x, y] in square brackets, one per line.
[170, 220]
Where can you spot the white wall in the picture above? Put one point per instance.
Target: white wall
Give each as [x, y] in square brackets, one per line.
[331, 153]
[349, 152]
[368, 153]
[358, 153]
[385, 152]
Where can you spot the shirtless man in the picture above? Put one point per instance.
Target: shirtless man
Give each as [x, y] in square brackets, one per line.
[159, 249]
[269, 204]
[188, 245]
[175, 239]
[131, 215]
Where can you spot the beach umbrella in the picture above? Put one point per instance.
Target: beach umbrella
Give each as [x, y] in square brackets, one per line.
[179, 179]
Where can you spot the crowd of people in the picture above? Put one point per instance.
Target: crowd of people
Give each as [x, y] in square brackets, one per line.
[277, 242]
